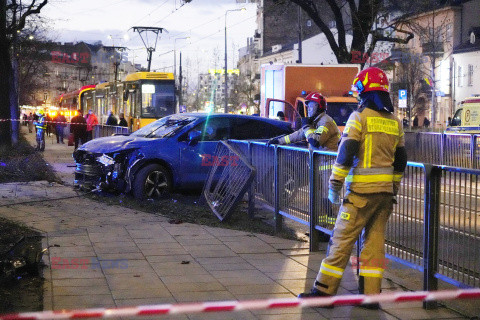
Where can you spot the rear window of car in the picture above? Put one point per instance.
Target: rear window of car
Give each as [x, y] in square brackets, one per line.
[244, 129]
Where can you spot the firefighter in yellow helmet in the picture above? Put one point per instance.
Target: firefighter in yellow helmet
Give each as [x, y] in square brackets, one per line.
[41, 126]
[321, 132]
[371, 161]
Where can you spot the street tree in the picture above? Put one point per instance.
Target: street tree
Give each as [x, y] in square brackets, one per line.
[14, 17]
[246, 88]
[32, 52]
[365, 20]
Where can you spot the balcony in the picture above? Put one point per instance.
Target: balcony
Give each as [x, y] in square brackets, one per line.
[433, 48]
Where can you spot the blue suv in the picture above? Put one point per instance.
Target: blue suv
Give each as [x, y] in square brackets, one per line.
[175, 152]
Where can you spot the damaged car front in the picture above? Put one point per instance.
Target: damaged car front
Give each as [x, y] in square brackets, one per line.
[110, 163]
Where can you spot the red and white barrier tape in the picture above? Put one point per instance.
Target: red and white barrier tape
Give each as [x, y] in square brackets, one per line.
[5, 120]
[163, 309]
[65, 123]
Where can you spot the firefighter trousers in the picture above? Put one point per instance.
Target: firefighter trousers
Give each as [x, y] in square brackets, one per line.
[40, 140]
[369, 211]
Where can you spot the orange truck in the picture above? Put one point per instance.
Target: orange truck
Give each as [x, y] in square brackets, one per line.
[284, 87]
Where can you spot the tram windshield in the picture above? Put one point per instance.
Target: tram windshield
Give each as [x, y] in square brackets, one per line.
[158, 99]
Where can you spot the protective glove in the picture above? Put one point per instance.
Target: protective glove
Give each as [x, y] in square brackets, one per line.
[273, 141]
[395, 200]
[306, 121]
[334, 196]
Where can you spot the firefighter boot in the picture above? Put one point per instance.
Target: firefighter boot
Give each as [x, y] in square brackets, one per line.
[361, 290]
[315, 293]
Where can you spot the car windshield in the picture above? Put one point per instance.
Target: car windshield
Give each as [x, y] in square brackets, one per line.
[340, 111]
[164, 126]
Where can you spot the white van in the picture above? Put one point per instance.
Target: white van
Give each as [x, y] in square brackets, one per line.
[467, 117]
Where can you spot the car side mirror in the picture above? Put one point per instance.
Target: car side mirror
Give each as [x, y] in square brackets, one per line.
[193, 137]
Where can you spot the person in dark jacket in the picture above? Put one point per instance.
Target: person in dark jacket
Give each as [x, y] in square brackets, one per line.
[123, 122]
[79, 129]
[112, 120]
[60, 124]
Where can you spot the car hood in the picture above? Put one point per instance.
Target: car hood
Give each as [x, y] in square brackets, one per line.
[115, 144]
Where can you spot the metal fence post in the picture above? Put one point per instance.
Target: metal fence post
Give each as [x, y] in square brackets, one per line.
[277, 216]
[314, 236]
[431, 228]
[251, 190]
[442, 153]
[473, 151]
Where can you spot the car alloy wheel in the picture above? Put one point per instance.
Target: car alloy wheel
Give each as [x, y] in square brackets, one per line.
[152, 182]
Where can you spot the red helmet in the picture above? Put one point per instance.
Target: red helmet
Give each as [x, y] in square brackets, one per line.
[371, 79]
[318, 98]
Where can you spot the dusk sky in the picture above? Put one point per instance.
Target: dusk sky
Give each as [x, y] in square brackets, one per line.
[110, 21]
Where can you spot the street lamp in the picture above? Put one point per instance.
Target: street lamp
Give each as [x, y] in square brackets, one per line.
[226, 73]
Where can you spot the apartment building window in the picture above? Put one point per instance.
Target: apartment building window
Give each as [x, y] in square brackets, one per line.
[460, 76]
[449, 32]
[470, 75]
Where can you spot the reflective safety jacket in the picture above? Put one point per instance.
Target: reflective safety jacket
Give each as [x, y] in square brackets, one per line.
[323, 134]
[371, 157]
[41, 123]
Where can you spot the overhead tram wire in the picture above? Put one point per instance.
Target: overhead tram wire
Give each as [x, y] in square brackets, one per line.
[210, 35]
[151, 12]
[168, 15]
[101, 7]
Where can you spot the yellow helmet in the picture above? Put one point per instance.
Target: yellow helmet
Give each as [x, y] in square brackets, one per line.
[40, 112]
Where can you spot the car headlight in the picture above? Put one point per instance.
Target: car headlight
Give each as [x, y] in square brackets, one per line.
[106, 160]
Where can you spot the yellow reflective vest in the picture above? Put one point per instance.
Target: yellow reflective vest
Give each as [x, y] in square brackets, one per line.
[323, 134]
[378, 134]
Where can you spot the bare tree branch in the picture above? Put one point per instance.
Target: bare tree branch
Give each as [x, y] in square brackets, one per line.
[311, 9]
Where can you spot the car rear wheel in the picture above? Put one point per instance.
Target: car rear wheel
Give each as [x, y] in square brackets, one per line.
[152, 182]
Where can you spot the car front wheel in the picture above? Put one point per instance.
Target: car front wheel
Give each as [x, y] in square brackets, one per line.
[153, 181]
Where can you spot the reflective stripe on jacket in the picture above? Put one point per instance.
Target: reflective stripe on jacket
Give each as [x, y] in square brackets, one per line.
[322, 135]
[41, 123]
[378, 134]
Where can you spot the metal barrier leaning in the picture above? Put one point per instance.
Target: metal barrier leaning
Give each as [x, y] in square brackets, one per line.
[228, 180]
[434, 228]
[105, 131]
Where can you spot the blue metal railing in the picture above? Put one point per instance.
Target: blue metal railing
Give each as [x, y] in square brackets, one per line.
[434, 228]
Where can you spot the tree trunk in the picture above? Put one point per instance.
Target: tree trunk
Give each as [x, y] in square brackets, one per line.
[5, 75]
[14, 112]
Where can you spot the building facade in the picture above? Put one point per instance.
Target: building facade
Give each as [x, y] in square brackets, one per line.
[434, 91]
[71, 66]
[212, 89]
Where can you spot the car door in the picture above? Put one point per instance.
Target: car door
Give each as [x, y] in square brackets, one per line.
[197, 157]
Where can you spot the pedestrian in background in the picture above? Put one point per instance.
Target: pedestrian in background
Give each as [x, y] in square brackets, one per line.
[91, 122]
[48, 122]
[78, 127]
[30, 122]
[35, 118]
[371, 159]
[123, 122]
[111, 120]
[60, 124]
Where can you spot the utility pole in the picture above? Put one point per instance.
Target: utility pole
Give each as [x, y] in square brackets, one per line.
[180, 78]
[299, 35]
[116, 63]
[150, 48]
